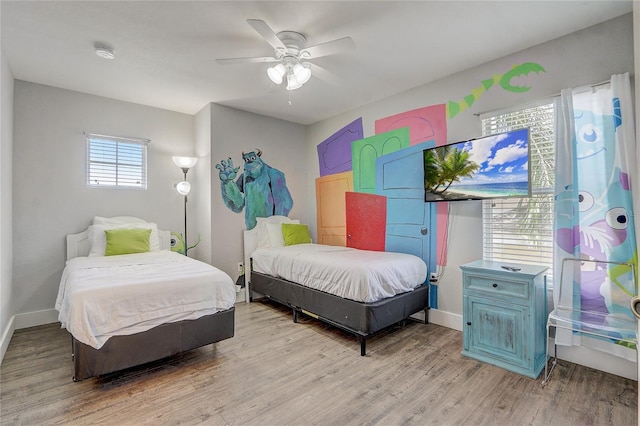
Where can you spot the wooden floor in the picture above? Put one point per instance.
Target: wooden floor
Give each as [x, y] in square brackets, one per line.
[275, 372]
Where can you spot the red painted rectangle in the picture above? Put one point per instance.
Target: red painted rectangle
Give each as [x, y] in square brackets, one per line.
[366, 220]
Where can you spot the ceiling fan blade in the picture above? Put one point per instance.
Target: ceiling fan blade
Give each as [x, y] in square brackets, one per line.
[267, 33]
[324, 75]
[246, 60]
[340, 45]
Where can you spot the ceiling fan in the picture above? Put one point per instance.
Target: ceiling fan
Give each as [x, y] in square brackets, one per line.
[292, 55]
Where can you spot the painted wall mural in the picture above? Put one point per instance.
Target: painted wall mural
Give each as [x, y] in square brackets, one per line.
[365, 151]
[334, 153]
[503, 80]
[332, 209]
[260, 189]
[366, 221]
[177, 243]
[383, 167]
[425, 124]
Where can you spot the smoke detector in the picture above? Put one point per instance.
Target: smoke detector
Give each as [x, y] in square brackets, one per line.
[104, 51]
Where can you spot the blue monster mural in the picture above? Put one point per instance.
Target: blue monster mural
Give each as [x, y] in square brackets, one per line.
[605, 229]
[260, 189]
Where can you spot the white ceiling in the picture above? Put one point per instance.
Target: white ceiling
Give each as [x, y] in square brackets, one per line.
[166, 50]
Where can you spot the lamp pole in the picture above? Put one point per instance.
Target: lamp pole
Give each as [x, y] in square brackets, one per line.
[183, 188]
[186, 246]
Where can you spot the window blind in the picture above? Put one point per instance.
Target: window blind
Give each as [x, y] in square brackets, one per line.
[521, 229]
[114, 162]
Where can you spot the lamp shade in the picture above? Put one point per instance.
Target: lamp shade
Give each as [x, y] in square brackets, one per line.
[276, 73]
[292, 82]
[183, 187]
[185, 162]
[302, 73]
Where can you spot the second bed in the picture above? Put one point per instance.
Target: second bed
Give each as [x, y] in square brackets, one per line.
[359, 291]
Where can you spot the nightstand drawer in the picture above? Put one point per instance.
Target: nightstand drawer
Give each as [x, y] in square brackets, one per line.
[495, 287]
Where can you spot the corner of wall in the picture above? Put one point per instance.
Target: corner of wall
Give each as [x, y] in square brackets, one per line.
[6, 204]
[6, 337]
[202, 198]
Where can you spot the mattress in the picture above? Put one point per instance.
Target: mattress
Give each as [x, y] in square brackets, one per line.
[360, 275]
[101, 297]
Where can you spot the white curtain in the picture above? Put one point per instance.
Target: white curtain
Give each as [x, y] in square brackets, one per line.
[596, 170]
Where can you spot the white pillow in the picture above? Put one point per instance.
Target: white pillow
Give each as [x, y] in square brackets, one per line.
[275, 234]
[262, 239]
[98, 239]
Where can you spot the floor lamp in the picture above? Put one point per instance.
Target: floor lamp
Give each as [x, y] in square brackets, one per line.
[183, 188]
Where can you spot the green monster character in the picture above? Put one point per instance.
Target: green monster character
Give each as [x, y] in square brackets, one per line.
[453, 108]
[177, 243]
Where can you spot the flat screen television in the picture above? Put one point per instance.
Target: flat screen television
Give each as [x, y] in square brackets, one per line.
[494, 166]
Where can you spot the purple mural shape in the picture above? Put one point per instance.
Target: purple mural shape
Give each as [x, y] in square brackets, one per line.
[334, 153]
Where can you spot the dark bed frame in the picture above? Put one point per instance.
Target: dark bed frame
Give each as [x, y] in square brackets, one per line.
[162, 341]
[359, 318]
[120, 352]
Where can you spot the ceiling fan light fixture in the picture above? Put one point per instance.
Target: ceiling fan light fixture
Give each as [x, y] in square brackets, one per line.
[302, 73]
[276, 73]
[291, 54]
[292, 82]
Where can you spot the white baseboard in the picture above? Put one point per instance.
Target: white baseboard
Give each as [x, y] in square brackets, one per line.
[29, 319]
[33, 319]
[7, 334]
[445, 319]
[596, 359]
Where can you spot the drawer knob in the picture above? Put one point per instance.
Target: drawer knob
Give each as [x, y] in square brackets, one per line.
[468, 322]
[495, 285]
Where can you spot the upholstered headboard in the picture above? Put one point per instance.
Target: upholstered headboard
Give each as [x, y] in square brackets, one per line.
[78, 244]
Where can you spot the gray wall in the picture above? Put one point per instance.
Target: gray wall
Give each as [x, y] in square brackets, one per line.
[585, 57]
[6, 201]
[51, 198]
[283, 146]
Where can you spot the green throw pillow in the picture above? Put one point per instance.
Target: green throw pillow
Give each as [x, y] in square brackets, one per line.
[294, 233]
[127, 241]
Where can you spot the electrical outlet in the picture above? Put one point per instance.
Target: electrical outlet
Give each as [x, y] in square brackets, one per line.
[240, 267]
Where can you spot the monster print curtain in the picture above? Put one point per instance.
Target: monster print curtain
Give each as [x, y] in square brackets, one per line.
[596, 171]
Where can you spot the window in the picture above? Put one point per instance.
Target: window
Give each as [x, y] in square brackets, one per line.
[114, 162]
[521, 229]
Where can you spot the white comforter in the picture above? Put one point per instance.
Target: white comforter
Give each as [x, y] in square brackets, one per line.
[364, 276]
[100, 297]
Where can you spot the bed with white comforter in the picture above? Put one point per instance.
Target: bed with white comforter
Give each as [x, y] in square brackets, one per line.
[126, 305]
[101, 297]
[360, 291]
[360, 275]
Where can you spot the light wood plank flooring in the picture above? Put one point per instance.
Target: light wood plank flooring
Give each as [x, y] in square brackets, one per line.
[275, 372]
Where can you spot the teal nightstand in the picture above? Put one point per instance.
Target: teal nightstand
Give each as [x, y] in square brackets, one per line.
[505, 315]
